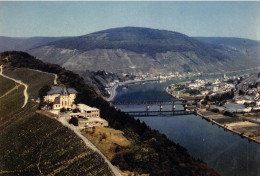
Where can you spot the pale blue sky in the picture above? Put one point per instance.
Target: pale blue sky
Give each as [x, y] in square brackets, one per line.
[226, 19]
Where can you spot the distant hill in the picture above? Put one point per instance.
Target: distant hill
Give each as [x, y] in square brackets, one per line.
[141, 50]
[24, 44]
[246, 46]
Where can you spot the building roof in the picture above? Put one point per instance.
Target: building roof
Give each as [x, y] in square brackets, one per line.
[86, 107]
[92, 120]
[57, 100]
[61, 90]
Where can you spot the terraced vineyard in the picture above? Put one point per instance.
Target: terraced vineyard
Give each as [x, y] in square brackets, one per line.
[33, 144]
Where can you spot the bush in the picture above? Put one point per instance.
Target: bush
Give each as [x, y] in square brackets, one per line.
[74, 121]
[62, 110]
[215, 110]
[227, 113]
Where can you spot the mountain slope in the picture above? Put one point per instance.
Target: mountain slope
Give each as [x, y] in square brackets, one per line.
[140, 50]
[23, 44]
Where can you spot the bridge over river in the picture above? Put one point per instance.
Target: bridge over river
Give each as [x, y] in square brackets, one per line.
[160, 103]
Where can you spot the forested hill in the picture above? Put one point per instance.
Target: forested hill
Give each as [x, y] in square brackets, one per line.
[150, 152]
[141, 50]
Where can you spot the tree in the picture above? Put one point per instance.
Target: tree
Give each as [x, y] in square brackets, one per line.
[62, 110]
[75, 110]
[241, 92]
[74, 121]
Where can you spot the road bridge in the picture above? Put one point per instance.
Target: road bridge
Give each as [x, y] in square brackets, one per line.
[158, 113]
[161, 103]
[193, 101]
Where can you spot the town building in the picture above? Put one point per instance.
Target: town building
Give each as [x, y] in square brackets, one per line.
[90, 117]
[88, 112]
[92, 122]
[61, 97]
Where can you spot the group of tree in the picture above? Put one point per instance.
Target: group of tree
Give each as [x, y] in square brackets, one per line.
[192, 91]
[221, 97]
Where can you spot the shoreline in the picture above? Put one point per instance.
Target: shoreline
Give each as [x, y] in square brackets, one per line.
[113, 89]
[114, 92]
[225, 127]
[197, 111]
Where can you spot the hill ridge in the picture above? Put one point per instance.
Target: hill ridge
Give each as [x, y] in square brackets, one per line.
[137, 50]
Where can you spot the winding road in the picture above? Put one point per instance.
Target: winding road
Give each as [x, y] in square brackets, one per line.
[19, 82]
[112, 93]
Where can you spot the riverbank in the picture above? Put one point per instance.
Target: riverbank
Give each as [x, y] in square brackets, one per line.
[241, 126]
[113, 91]
[233, 126]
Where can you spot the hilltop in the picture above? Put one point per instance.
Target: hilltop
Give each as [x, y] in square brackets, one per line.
[149, 152]
[140, 50]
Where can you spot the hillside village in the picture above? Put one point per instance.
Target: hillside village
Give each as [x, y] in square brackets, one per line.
[60, 101]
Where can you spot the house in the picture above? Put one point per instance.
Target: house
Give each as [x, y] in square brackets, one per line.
[91, 117]
[88, 112]
[258, 87]
[61, 97]
[215, 88]
[92, 122]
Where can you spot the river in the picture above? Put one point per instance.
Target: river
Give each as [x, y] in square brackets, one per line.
[227, 153]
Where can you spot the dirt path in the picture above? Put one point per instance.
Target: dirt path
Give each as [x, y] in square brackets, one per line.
[90, 145]
[9, 91]
[55, 79]
[55, 75]
[25, 88]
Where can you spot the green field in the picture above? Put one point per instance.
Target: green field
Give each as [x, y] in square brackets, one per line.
[32, 143]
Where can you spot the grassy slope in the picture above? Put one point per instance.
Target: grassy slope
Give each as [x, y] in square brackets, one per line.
[5, 85]
[26, 135]
[107, 140]
[34, 79]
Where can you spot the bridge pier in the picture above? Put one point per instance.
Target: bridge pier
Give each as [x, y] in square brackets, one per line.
[161, 108]
[147, 108]
[173, 107]
[185, 107]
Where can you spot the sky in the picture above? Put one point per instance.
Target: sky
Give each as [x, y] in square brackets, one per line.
[209, 19]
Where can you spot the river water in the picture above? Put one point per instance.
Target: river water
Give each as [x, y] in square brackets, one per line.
[227, 153]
